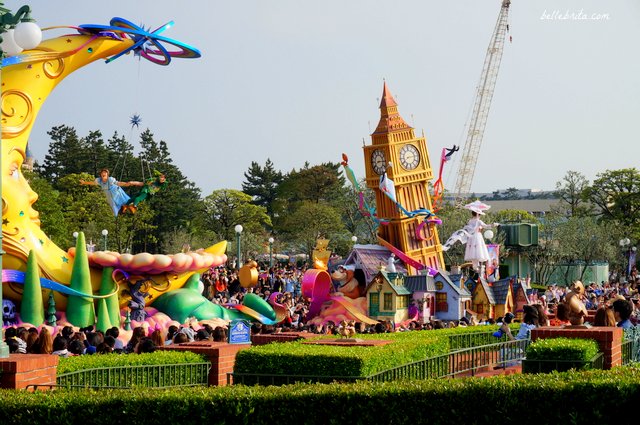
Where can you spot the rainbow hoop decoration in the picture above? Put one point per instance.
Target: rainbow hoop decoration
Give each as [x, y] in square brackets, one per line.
[148, 45]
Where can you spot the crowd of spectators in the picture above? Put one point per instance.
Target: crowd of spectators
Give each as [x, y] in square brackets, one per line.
[616, 303]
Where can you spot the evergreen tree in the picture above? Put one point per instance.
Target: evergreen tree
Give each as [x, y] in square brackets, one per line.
[97, 156]
[262, 184]
[65, 154]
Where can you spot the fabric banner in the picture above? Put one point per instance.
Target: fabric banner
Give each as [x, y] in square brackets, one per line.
[492, 268]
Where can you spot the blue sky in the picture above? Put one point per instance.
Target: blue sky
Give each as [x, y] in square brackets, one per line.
[296, 81]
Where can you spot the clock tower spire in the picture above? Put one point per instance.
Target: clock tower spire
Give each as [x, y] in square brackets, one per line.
[403, 157]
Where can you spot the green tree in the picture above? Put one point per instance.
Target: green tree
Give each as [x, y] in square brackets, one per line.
[616, 194]
[225, 208]
[49, 205]
[583, 240]
[312, 183]
[66, 154]
[262, 185]
[310, 221]
[571, 191]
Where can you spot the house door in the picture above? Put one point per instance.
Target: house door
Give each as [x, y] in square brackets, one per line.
[374, 303]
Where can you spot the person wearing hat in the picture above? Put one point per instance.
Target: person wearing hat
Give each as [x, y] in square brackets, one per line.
[476, 250]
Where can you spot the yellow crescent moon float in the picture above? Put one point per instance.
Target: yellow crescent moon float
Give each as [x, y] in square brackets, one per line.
[25, 87]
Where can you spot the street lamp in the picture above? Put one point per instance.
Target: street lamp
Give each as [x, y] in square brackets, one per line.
[238, 230]
[104, 232]
[271, 241]
[624, 243]
[75, 235]
[354, 239]
[17, 32]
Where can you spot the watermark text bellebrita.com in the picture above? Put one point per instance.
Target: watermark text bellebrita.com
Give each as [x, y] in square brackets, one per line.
[573, 15]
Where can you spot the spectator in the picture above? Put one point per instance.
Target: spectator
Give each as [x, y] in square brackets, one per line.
[156, 337]
[604, 317]
[44, 344]
[203, 335]
[145, 345]
[622, 310]
[115, 333]
[504, 328]
[136, 336]
[529, 322]
[180, 338]
[171, 332]
[60, 346]
[76, 347]
[12, 334]
[220, 334]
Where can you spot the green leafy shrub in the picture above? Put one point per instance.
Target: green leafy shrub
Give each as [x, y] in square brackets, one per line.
[296, 358]
[574, 349]
[75, 363]
[565, 397]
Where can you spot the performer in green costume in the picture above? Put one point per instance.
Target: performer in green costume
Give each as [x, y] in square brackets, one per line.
[150, 188]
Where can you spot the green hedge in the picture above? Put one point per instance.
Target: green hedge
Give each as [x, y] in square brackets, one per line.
[576, 349]
[296, 358]
[602, 397]
[75, 363]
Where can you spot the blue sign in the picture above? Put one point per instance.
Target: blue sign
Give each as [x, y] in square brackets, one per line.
[239, 332]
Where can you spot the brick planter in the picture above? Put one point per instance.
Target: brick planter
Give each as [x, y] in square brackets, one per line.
[609, 340]
[22, 370]
[221, 355]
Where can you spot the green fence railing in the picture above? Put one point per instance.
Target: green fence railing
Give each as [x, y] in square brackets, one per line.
[631, 345]
[465, 361]
[157, 376]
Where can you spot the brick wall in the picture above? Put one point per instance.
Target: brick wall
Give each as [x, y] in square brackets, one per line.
[221, 355]
[609, 340]
[21, 370]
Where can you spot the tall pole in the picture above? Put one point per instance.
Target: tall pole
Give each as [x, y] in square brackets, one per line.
[238, 230]
[271, 240]
[105, 233]
[23, 24]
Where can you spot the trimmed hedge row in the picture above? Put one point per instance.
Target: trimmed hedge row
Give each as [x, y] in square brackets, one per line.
[578, 349]
[602, 397]
[75, 363]
[296, 358]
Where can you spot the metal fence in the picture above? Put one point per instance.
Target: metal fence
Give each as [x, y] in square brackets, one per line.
[459, 362]
[631, 345]
[157, 376]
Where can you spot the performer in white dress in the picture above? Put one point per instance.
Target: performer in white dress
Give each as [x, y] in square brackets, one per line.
[471, 235]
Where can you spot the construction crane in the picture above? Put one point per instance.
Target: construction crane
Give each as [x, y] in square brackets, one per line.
[482, 104]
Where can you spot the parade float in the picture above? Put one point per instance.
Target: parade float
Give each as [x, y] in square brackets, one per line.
[74, 281]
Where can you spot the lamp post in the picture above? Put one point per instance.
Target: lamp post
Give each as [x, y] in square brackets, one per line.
[104, 232]
[17, 32]
[354, 239]
[238, 230]
[624, 243]
[271, 240]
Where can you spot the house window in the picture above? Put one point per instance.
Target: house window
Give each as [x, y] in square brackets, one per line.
[403, 302]
[441, 302]
[439, 286]
[479, 308]
[387, 301]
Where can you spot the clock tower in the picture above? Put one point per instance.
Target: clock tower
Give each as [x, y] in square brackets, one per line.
[404, 157]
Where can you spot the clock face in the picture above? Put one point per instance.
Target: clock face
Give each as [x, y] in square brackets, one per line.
[409, 157]
[378, 161]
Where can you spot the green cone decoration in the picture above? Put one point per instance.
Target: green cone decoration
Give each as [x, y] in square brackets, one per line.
[192, 282]
[52, 320]
[32, 307]
[104, 322]
[107, 286]
[81, 311]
